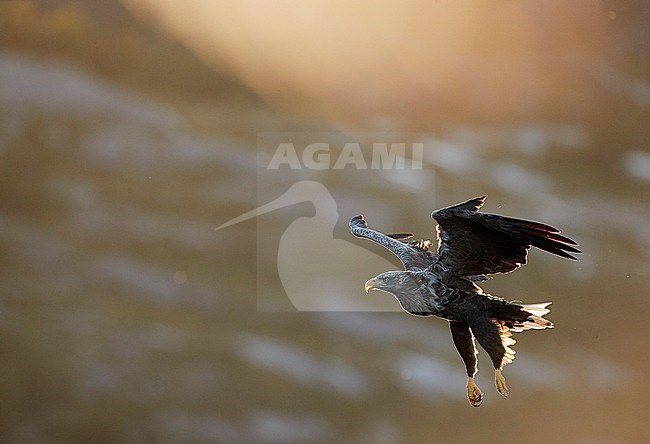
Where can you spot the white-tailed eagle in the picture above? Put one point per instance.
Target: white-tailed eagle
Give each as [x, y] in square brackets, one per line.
[471, 245]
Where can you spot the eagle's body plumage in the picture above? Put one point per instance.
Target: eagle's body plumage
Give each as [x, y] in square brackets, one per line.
[471, 245]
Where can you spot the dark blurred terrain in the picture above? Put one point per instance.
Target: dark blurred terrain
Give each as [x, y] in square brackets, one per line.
[124, 317]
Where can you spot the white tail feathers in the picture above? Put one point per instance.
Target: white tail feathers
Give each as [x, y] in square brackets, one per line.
[537, 309]
[535, 321]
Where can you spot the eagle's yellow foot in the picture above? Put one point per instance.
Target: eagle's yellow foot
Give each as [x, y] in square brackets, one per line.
[500, 382]
[474, 394]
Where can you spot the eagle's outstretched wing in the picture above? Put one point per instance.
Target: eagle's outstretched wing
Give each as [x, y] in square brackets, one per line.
[473, 243]
[414, 254]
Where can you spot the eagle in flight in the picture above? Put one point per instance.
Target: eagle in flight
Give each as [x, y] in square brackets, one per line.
[471, 245]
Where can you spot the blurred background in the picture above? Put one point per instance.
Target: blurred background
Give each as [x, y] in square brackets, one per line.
[129, 131]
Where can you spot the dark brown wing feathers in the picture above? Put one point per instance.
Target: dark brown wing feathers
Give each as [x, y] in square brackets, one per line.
[479, 243]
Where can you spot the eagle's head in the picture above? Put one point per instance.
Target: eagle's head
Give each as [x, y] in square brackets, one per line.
[404, 286]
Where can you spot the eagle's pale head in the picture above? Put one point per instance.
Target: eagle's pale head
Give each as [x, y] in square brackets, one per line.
[404, 286]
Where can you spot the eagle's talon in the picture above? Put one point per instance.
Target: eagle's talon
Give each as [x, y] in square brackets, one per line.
[500, 383]
[474, 394]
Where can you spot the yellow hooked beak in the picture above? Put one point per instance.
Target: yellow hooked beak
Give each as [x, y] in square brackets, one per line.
[370, 284]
